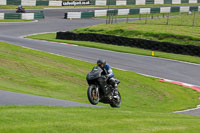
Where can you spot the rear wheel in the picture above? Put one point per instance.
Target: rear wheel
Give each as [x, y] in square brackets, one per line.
[116, 103]
[93, 95]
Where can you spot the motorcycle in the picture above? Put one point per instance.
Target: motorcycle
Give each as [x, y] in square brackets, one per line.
[20, 10]
[95, 94]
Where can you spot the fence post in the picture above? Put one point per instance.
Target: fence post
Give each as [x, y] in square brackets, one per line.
[168, 19]
[146, 19]
[109, 19]
[112, 18]
[127, 19]
[115, 18]
[194, 17]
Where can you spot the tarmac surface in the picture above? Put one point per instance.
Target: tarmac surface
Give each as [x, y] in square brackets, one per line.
[12, 98]
[157, 67]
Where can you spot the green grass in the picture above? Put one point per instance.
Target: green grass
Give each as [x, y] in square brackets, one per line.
[14, 20]
[42, 119]
[175, 19]
[131, 50]
[147, 104]
[86, 6]
[33, 72]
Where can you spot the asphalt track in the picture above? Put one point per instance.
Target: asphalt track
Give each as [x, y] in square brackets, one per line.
[168, 69]
[12, 98]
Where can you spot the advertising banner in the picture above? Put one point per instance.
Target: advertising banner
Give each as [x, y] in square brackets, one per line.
[71, 3]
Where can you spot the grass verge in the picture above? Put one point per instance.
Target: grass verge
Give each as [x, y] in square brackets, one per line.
[131, 50]
[15, 20]
[146, 102]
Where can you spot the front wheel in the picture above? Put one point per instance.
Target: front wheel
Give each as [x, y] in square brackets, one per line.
[116, 103]
[93, 94]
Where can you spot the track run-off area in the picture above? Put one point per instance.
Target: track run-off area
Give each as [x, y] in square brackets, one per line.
[156, 67]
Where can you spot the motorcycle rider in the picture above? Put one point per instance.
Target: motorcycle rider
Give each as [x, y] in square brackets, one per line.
[107, 76]
[20, 8]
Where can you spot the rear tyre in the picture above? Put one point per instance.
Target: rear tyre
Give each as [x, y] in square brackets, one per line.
[93, 95]
[116, 103]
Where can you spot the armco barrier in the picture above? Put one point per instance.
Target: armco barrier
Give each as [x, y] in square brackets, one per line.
[167, 1]
[132, 42]
[55, 3]
[111, 2]
[1, 16]
[98, 13]
[13, 2]
[87, 14]
[101, 2]
[140, 2]
[121, 2]
[27, 16]
[3, 2]
[28, 2]
[42, 3]
[96, 2]
[38, 15]
[130, 2]
[12, 16]
[158, 1]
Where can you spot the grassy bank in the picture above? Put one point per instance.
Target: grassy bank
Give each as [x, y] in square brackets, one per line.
[14, 20]
[131, 50]
[179, 30]
[28, 71]
[146, 102]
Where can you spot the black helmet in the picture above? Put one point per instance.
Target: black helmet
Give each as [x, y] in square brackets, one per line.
[101, 61]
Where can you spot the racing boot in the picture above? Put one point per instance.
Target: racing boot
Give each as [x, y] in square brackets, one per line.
[117, 81]
[115, 93]
[105, 90]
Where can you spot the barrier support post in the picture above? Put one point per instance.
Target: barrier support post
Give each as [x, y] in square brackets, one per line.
[194, 17]
[153, 53]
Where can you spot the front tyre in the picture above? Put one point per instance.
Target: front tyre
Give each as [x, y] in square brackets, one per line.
[116, 102]
[93, 94]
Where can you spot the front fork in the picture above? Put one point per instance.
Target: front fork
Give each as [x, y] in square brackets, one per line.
[96, 92]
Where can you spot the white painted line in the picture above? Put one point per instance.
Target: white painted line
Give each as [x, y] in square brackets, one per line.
[51, 42]
[120, 69]
[186, 84]
[34, 34]
[198, 107]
